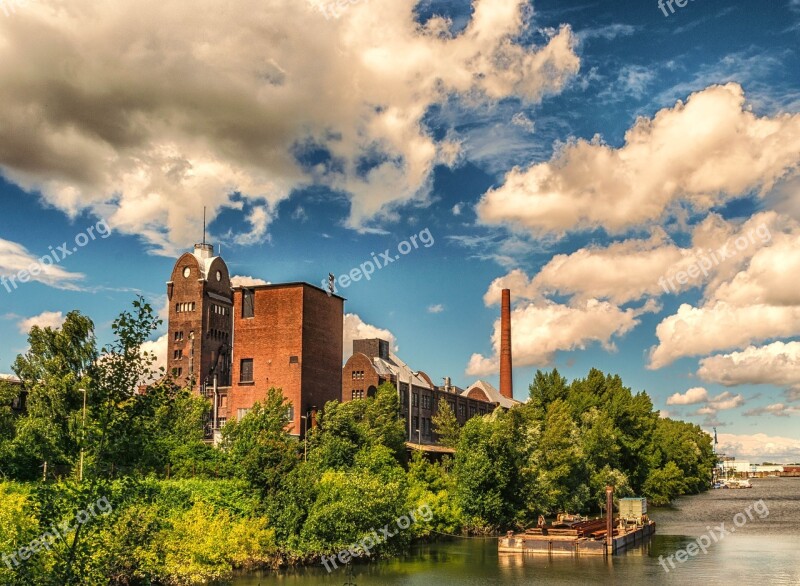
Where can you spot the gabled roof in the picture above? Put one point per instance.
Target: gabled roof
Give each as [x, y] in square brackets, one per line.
[9, 378]
[492, 394]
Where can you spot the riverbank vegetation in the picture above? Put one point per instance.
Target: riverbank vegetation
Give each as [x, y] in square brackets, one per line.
[184, 512]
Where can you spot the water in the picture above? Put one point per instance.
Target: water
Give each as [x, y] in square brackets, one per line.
[764, 551]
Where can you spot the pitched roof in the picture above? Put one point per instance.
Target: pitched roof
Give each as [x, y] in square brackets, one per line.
[492, 394]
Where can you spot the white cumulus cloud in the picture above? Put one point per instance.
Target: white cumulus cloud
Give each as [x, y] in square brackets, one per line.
[46, 319]
[698, 154]
[143, 111]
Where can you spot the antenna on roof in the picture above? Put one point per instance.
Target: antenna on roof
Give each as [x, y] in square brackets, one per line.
[204, 224]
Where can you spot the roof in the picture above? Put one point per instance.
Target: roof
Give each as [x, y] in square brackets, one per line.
[430, 448]
[492, 394]
[396, 363]
[291, 284]
[9, 378]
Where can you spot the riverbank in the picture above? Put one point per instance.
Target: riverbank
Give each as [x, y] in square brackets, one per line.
[766, 549]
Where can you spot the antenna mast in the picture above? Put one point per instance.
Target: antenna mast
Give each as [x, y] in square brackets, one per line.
[204, 224]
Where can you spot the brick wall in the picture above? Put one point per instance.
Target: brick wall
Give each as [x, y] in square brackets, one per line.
[359, 376]
[295, 341]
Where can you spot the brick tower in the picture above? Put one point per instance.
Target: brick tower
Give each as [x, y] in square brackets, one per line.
[200, 319]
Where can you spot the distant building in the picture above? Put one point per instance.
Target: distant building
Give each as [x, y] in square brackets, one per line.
[231, 345]
[373, 364]
[18, 403]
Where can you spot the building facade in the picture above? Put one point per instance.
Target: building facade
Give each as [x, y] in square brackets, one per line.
[373, 364]
[232, 344]
[200, 319]
[287, 336]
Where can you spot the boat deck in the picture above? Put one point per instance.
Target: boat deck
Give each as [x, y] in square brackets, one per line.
[588, 538]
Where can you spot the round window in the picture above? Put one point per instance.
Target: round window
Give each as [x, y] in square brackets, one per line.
[186, 272]
[219, 276]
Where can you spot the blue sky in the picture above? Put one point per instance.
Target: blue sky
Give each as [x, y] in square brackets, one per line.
[315, 142]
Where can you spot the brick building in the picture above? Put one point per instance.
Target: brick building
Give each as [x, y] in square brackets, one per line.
[200, 319]
[372, 364]
[232, 344]
[288, 336]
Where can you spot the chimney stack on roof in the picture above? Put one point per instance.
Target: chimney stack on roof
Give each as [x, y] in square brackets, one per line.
[506, 381]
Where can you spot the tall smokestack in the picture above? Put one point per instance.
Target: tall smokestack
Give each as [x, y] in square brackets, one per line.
[506, 382]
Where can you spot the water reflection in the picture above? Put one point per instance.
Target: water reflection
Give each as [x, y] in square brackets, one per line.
[763, 550]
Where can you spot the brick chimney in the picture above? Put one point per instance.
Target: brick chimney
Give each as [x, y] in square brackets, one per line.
[506, 381]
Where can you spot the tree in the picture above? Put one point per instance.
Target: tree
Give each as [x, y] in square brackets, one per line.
[259, 448]
[446, 425]
[56, 365]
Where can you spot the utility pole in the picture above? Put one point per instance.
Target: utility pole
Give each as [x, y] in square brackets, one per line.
[83, 434]
[305, 437]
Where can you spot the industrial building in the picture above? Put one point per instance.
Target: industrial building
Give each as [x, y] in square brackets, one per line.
[232, 344]
[373, 364]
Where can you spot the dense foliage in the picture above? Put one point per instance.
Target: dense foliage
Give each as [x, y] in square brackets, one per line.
[182, 512]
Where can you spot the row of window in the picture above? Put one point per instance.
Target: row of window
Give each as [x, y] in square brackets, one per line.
[218, 335]
[185, 307]
[427, 403]
[220, 309]
[358, 394]
[426, 425]
[358, 375]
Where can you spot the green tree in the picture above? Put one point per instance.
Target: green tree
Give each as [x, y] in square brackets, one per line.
[259, 447]
[446, 425]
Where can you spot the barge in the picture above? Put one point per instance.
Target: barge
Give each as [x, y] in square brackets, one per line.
[601, 536]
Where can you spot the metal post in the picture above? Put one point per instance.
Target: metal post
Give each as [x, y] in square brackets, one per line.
[410, 426]
[305, 437]
[610, 519]
[216, 406]
[83, 434]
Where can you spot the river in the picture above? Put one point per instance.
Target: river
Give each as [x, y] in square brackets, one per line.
[762, 550]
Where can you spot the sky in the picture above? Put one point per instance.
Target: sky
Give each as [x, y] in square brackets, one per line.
[629, 169]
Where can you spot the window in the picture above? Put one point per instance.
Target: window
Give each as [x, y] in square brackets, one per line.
[293, 360]
[426, 402]
[178, 336]
[177, 355]
[472, 410]
[248, 303]
[240, 413]
[246, 371]
[221, 421]
[426, 426]
[177, 372]
[415, 422]
[290, 414]
[415, 399]
[462, 410]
